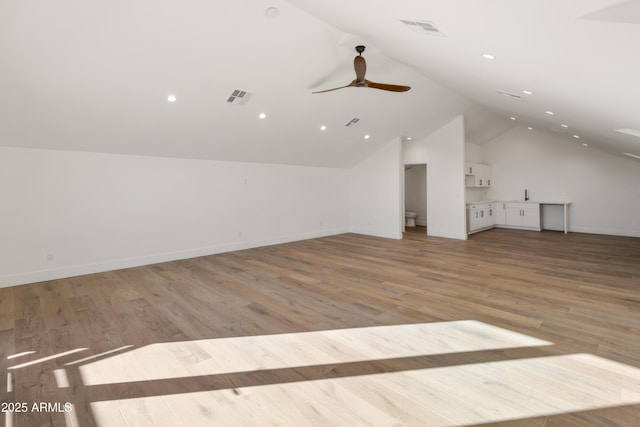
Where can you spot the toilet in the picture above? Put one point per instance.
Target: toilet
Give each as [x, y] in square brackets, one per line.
[410, 219]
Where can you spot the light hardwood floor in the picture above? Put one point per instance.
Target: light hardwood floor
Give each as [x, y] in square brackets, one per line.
[508, 328]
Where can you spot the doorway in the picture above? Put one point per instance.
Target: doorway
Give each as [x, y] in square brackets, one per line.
[415, 195]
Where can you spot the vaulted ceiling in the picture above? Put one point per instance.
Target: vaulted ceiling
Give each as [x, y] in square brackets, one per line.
[95, 76]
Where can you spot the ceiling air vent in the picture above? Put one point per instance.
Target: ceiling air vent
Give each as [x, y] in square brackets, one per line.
[509, 95]
[352, 122]
[239, 97]
[422, 27]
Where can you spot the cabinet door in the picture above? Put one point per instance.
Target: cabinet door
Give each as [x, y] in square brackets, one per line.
[483, 218]
[470, 168]
[474, 219]
[531, 216]
[490, 214]
[513, 215]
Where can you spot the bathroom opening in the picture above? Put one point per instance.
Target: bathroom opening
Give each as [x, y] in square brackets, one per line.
[415, 198]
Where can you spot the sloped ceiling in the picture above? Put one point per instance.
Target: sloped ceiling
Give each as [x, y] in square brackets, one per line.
[95, 76]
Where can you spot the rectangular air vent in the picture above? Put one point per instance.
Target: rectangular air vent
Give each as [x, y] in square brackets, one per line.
[239, 97]
[422, 27]
[509, 95]
[352, 122]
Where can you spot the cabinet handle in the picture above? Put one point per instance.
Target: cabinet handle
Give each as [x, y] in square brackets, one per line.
[480, 182]
[481, 214]
[488, 182]
[490, 212]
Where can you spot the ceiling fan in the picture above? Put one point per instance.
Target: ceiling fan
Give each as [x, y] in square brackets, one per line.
[360, 66]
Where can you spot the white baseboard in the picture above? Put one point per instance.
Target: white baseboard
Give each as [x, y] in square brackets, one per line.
[116, 264]
[377, 233]
[446, 234]
[606, 231]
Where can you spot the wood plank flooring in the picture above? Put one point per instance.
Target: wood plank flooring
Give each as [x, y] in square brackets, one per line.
[509, 328]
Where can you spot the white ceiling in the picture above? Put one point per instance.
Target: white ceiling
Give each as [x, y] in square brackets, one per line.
[95, 76]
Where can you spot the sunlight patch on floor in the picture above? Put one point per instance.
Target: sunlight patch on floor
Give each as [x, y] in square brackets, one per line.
[252, 353]
[447, 396]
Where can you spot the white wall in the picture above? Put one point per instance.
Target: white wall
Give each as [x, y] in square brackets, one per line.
[444, 153]
[473, 153]
[604, 190]
[415, 192]
[377, 206]
[96, 212]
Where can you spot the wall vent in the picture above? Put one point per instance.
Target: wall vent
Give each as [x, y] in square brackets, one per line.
[239, 97]
[352, 122]
[422, 27]
[509, 95]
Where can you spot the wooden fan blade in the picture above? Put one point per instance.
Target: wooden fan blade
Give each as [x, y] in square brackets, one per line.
[352, 84]
[384, 86]
[360, 66]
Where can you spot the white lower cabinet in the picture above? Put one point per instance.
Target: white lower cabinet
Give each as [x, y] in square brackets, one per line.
[481, 216]
[522, 215]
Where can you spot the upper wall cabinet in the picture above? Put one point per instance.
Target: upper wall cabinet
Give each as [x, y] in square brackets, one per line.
[477, 175]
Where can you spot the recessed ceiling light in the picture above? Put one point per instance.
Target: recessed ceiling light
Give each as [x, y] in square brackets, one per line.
[323, 127]
[272, 12]
[262, 115]
[549, 112]
[409, 138]
[171, 98]
[512, 118]
[576, 136]
[527, 92]
[367, 136]
[564, 126]
[530, 128]
[635, 156]
[586, 145]
[488, 56]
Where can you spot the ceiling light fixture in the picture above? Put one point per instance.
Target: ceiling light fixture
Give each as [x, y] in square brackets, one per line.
[488, 56]
[530, 128]
[564, 126]
[512, 118]
[527, 92]
[635, 156]
[171, 98]
[586, 145]
[272, 12]
[367, 136]
[262, 115]
[323, 127]
[549, 112]
[576, 136]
